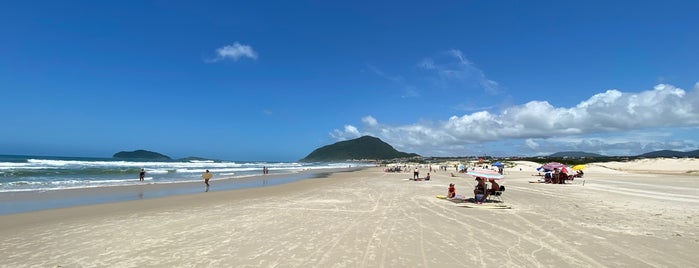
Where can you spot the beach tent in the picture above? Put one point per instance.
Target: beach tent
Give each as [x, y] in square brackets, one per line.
[498, 164]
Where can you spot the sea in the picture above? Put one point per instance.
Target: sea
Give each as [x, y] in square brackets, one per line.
[30, 183]
[20, 173]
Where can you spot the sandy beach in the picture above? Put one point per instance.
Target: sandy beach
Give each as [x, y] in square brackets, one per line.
[621, 214]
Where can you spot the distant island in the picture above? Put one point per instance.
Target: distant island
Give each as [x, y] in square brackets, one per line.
[141, 154]
[363, 148]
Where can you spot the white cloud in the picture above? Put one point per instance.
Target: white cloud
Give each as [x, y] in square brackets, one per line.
[350, 132]
[369, 120]
[537, 123]
[235, 52]
[449, 71]
[453, 67]
[531, 144]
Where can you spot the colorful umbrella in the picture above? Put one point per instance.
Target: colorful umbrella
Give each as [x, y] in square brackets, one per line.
[498, 164]
[552, 165]
[541, 168]
[486, 173]
[578, 167]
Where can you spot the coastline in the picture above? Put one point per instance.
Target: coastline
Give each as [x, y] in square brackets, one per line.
[26, 201]
[369, 218]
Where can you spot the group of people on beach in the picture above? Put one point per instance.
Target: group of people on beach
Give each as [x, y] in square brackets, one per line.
[559, 176]
[480, 191]
[206, 176]
[416, 175]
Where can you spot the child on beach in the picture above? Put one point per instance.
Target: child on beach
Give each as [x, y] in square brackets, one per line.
[452, 191]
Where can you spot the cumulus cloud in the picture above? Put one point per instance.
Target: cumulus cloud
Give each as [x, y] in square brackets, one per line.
[370, 121]
[235, 52]
[350, 132]
[536, 123]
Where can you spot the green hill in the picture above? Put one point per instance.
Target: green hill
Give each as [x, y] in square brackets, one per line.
[366, 147]
[670, 153]
[575, 154]
[141, 154]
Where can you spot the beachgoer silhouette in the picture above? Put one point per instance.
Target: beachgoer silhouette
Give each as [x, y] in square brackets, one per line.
[206, 176]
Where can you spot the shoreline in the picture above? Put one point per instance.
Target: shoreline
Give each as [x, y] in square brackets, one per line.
[28, 201]
[186, 200]
[370, 218]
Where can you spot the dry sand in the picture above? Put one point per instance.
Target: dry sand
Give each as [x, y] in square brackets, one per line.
[369, 218]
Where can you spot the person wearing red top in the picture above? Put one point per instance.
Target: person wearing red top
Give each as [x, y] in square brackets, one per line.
[452, 191]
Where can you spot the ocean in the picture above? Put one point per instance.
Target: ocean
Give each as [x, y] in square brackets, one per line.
[30, 183]
[42, 173]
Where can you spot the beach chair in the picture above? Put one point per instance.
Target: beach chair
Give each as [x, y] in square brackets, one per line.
[497, 195]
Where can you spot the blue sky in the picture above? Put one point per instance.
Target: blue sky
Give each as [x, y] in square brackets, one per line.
[260, 80]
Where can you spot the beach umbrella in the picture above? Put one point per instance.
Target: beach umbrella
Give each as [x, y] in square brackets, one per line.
[486, 173]
[541, 168]
[498, 164]
[578, 167]
[552, 165]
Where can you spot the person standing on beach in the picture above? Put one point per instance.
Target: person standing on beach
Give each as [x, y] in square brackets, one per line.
[416, 174]
[142, 176]
[206, 176]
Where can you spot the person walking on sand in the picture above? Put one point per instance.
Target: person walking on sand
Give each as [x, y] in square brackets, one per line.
[142, 176]
[206, 176]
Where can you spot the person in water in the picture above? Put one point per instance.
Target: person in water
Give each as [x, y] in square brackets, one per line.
[142, 176]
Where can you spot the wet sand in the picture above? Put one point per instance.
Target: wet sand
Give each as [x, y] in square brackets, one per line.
[18, 202]
[369, 218]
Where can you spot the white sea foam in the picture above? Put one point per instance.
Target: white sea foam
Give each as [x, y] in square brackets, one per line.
[36, 173]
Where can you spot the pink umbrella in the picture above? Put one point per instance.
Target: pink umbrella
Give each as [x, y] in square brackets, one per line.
[486, 173]
[552, 165]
